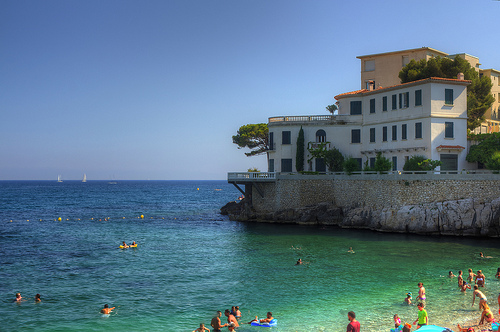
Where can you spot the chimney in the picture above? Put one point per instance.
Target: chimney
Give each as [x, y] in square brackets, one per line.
[371, 85]
[460, 76]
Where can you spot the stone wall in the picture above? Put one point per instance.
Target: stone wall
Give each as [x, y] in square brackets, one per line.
[461, 204]
[375, 191]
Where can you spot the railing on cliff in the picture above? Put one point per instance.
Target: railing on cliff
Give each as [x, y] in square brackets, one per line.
[251, 176]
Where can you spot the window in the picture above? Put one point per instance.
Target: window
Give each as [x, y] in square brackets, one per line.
[286, 137]
[356, 136]
[384, 134]
[448, 130]
[418, 98]
[394, 133]
[384, 104]
[271, 165]
[271, 141]
[404, 101]
[360, 163]
[372, 105]
[404, 131]
[321, 136]
[394, 163]
[406, 60]
[418, 130]
[286, 165]
[372, 135]
[369, 65]
[394, 102]
[372, 162]
[449, 162]
[356, 107]
[448, 96]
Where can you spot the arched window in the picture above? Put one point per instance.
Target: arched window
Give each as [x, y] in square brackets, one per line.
[320, 136]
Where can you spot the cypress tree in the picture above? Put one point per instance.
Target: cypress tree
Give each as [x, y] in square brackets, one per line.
[299, 157]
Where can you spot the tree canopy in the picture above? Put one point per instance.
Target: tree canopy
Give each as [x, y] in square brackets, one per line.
[254, 137]
[479, 97]
[484, 151]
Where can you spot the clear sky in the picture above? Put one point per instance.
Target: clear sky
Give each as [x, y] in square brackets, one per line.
[155, 89]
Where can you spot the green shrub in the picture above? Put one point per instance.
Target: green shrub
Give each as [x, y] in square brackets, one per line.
[351, 165]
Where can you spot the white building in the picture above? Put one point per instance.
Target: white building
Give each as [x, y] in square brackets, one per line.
[426, 117]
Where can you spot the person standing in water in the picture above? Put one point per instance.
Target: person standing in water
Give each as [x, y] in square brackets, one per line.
[38, 298]
[422, 319]
[216, 323]
[353, 325]
[232, 323]
[460, 279]
[19, 298]
[421, 292]
[480, 295]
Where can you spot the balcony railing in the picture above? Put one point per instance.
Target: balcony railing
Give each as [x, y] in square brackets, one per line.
[312, 118]
[251, 176]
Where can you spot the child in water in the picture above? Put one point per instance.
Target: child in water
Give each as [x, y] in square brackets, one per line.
[408, 298]
[464, 287]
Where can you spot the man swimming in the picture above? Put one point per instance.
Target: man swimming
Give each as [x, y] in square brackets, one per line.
[269, 317]
[232, 323]
[19, 298]
[106, 310]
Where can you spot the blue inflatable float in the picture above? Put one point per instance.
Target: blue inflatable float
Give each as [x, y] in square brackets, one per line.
[433, 328]
[272, 323]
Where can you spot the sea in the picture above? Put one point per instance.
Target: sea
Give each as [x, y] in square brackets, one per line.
[61, 240]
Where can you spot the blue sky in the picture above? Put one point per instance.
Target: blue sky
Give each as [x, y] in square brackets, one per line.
[155, 89]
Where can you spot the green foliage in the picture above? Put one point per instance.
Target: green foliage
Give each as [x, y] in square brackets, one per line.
[420, 163]
[254, 137]
[255, 169]
[494, 162]
[479, 97]
[351, 165]
[334, 160]
[332, 108]
[299, 157]
[483, 152]
[318, 152]
[366, 167]
[382, 164]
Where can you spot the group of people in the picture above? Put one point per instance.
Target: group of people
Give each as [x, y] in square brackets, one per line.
[19, 298]
[125, 245]
[233, 317]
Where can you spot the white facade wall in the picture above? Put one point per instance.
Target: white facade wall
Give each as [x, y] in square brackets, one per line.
[431, 116]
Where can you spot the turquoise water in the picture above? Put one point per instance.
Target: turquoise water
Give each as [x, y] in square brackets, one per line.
[191, 262]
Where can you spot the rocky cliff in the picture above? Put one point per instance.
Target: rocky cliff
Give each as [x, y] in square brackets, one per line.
[464, 217]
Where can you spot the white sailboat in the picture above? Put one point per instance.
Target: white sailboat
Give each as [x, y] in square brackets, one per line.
[59, 179]
[84, 178]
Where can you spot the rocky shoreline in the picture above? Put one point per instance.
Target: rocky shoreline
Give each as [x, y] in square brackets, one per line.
[464, 217]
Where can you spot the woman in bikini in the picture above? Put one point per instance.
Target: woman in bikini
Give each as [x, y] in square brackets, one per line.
[480, 295]
[486, 315]
[480, 279]
[421, 292]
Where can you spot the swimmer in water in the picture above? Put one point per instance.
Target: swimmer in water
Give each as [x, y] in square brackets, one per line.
[350, 250]
[37, 298]
[471, 276]
[202, 328]
[408, 298]
[299, 262]
[238, 313]
[125, 245]
[268, 319]
[464, 287]
[498, 273]
[19, 298]
[460, 279]
[480, 279]
[106, 310]
[451, 275]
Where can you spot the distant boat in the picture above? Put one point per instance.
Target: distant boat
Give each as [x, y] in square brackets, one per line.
[59, 179]
[84, 178]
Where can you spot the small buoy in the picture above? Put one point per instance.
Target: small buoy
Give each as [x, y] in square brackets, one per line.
[11, 221]
[67, 219]
[59, 219]
[91, 218]
[123, 217]
[40, 219]
[142, 216]
[28, 220]
[197, 188]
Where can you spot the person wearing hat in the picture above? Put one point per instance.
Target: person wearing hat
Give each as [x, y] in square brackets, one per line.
[408, 298]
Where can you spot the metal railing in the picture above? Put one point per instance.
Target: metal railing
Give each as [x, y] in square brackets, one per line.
[251, 176]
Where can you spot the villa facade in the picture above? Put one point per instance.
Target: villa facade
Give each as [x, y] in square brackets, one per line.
[426, 117]
[382, 70]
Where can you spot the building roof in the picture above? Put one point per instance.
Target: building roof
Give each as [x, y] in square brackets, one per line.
[403, 51]
[422, 81]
